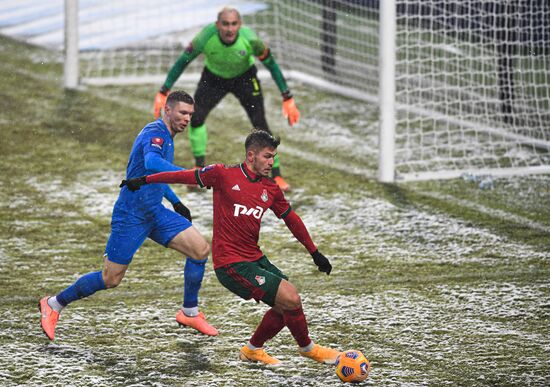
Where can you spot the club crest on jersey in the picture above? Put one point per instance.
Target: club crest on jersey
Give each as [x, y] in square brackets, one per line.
[157, 142]
[264, 196]
[260, 279]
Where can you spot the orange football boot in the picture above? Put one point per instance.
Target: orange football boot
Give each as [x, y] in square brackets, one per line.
[48, 317]
[197, 322]
[321, 354]
[257, 355]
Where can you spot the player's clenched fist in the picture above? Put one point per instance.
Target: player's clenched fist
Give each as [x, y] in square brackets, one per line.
[134, 184]
[322, 262]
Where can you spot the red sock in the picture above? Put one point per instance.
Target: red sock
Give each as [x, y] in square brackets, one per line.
[296, 322]
[271, 324]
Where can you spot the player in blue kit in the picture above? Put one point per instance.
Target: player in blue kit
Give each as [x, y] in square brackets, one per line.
[140, 215]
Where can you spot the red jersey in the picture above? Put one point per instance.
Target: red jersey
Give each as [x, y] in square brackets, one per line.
[240, 201]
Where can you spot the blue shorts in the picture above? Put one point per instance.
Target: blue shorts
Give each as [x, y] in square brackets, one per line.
[128, 231]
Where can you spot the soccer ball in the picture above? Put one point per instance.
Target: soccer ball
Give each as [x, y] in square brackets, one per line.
[352, 366]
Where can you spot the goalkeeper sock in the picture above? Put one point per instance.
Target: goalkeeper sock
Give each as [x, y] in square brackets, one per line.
[276, 169]
[275, 172]
[192, 275]
[198, 137]
[85, 286]
[296, 322]
[271, 324]
[199, 161]
[276, 161]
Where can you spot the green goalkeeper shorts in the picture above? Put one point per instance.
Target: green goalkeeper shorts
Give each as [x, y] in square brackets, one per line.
[259, 280]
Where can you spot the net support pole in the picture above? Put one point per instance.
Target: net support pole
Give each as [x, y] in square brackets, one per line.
[70, 71]
[386, 156]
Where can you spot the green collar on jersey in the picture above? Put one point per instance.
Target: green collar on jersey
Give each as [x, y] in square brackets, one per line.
[248, 174]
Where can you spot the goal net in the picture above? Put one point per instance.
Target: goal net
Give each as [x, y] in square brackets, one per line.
[472, 87]
[472, 78]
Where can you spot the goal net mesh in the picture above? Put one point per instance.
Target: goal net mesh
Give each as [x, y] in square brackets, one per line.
[472, 77]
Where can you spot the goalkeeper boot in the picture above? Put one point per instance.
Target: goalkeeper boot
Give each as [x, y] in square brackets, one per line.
[321, 354]
[283, 185]
[48, 317]
[196, 322]
[257, 355]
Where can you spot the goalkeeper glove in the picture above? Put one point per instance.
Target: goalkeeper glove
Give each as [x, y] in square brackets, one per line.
[181, 209]
[322, 262]
[160, 101]
[134, 184]
[290, 111]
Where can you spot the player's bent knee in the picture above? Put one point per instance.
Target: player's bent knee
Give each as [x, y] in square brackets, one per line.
[289, 303]
[112, 281]
[287, 297]
[205, 251]
[294, 301]
[201, 252]
[113, 274]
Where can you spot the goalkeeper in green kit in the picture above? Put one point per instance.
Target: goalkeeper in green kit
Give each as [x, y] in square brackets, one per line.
[229, 50]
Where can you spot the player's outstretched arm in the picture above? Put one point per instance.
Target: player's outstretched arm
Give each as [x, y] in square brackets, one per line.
[290, 111]
[177, 177]
[171, 78]
[193, 50]
[299, 230]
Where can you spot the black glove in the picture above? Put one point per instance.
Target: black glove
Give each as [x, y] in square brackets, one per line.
[180, 208]
[322, 262]
[133, 184]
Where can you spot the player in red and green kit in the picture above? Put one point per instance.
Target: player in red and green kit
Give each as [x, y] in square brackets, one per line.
[229, 50]
[242, 194]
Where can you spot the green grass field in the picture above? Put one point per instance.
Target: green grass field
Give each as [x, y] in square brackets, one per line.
[438, 283]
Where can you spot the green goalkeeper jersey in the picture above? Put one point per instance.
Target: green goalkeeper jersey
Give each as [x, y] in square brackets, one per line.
[227, 61]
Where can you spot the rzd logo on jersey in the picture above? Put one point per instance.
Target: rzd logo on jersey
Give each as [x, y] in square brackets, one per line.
[242, 210]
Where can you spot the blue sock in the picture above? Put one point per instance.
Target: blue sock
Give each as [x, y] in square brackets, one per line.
[85, 286]
[193, 273]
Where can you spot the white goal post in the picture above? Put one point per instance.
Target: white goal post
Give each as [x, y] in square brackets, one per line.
[460, 85]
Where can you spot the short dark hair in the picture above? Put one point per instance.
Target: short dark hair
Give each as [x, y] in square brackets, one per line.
[260, 139]
[179, 96]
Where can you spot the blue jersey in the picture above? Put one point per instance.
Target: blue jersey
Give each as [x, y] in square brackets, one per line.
[154, 137]
[140, 215]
